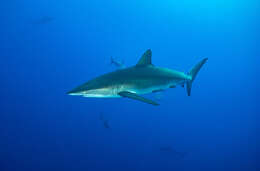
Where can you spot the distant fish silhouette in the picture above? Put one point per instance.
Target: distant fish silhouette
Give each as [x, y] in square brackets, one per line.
[106, 125]
[43, 20]
[105, 121]
[172, 151]
[117, 63]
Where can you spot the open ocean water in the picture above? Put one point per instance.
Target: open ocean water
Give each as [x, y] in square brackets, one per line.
[49, 47]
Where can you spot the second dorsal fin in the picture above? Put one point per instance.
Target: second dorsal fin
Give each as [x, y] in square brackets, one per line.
[146, 59]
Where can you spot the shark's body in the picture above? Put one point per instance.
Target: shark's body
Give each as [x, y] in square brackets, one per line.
[143, 78]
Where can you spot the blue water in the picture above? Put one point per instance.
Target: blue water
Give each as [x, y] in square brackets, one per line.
[49, 47]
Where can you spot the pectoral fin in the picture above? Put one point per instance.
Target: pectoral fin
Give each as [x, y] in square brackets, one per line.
[137, 97]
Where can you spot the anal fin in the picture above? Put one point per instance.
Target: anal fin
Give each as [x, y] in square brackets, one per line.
[137, 97]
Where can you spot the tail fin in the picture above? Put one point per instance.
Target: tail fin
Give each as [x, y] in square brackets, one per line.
[193, 73]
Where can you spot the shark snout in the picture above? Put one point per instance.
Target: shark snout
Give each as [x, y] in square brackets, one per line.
[71, 93]
[77, 91]
[74, 92]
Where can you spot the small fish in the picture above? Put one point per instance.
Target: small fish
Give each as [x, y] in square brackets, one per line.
[173, 152]
[105, 121]
[117, 63]
[106, 125]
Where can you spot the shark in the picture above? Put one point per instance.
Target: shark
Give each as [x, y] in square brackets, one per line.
[172, 151]
[135, 81]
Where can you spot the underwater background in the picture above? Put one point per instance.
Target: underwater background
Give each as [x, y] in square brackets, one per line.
[49, 47]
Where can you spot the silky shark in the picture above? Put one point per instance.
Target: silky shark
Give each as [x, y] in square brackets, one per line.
[132, 82]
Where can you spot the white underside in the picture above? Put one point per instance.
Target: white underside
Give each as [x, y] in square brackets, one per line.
[113, 92]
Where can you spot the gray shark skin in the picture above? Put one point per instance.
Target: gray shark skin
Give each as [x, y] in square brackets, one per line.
[143, 78]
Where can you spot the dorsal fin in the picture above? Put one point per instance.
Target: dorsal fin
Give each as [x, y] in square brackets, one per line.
[146, 59]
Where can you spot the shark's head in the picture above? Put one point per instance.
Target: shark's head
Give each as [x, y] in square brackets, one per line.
[93, 88]
[99, 92]
[77, 92]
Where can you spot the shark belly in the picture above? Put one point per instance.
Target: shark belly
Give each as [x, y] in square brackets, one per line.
[102, 93]
[113, 91]
[144, 86]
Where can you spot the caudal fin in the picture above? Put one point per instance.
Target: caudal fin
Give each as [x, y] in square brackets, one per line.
[193, 73]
